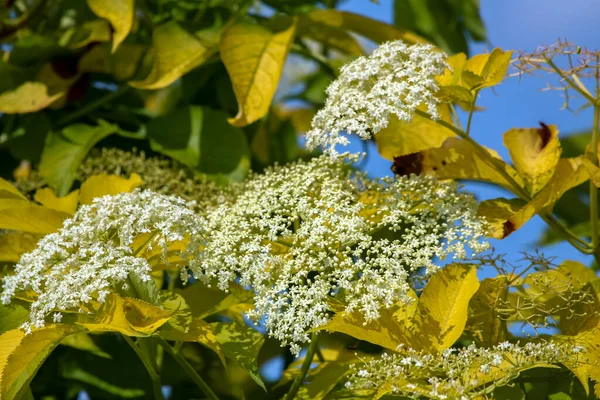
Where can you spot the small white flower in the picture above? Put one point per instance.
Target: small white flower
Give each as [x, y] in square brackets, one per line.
[93, 251]
[395, 80]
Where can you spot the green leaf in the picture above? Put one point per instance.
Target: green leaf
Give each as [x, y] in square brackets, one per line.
[242, 345]
[205, 301]
[120, 14]
[65, 150]
[201, 139]
[84, 342]
[21, 356]
[33, 130]
[509, 393]
[254, 56]
[170, 62]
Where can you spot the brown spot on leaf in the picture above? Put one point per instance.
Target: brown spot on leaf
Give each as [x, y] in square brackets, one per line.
[545, 135]
[508, 228]
[408, 164]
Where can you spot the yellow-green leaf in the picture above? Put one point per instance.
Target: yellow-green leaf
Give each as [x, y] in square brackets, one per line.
[119, 13]
[535, 153]
[8, 191]
[27, 98]
[331, 36]
[170, 62]
[13, 244]
[484, 321]
[322, 381]
[21, 215]
[443, 307]
[204, 301]
[242, 345]
[21, 355]
[104, 185]
[122, 64]
[401, 138]
[67, 204]
[199, 331]
[254, 56]
[370, 28]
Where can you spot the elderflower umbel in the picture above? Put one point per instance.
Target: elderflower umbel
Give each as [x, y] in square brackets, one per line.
[396, 79]
[93, 251]
[303, 232]
[467, 373]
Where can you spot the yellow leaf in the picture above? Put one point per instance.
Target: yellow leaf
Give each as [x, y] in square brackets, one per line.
[389, 330]
[484, 321]
[21, 355]
[27, 98]
[457, 159]
[535, 153]
[331, 36]
[119, 13]
[103, 185]
[498, 214]
[453, 76]
[21, 215]
[486, 70]
[199, 331]
[13, 244]
[170, 62]
[254, 56]
[370, 28]
[401, 138]
[512, 214]
[8, 191]
[110, 317]
[443, 307]
[144, 317]
[67, 204]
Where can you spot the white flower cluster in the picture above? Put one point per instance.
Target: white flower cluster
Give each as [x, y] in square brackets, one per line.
[396, 79]
[84, 260]
[464, 374]
[303, 232]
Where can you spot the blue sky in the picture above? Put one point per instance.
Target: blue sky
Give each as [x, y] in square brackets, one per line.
[524, 25]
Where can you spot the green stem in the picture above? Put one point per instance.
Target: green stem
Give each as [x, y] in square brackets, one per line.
[471, 112]
[593, 188]
[201, 383]
[156, 386]
[312, 349]
[515, 187]
[88, 108]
